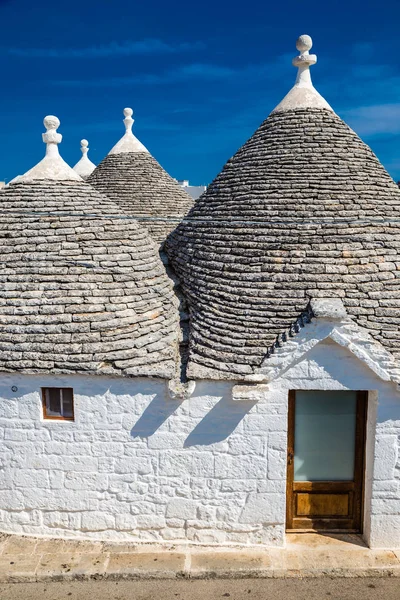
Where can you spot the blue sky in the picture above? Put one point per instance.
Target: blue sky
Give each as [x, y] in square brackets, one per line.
[200, 76]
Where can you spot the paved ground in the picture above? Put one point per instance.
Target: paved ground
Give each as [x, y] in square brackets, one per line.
[248, 589]
[31, 560]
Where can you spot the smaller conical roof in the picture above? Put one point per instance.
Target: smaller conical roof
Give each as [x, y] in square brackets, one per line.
[130, 176]
[84, 167]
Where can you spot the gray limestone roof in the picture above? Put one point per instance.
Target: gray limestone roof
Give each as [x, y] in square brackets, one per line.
[303, 210]
[132, 178]
[81, 291]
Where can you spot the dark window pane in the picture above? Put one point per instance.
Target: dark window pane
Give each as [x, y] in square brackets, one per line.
[53, 403]
[67, 404]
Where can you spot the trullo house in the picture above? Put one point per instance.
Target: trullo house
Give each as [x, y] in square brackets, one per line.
[288, 416]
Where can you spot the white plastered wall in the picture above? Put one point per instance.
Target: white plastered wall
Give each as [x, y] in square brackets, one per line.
[138, 465]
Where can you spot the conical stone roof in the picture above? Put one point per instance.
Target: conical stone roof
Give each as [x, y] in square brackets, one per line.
[81, 290]
[131, 177]
[303, 210]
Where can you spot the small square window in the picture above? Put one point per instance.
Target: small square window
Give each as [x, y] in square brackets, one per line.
[58, 403]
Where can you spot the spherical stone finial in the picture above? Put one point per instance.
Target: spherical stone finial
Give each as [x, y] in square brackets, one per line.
[51, 136]
[304, 43]
[51, 122]
[128, 112]
[305, 60]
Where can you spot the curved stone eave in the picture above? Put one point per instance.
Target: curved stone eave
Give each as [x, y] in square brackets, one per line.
[322, 319]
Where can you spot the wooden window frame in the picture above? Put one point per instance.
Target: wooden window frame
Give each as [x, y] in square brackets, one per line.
[54, 417]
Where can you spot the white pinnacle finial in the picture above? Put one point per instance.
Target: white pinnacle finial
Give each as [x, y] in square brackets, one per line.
[304, 61]
[51, 138]
[84, 147]
[128, 143]
[303, 94]
[128, 112]
[84, 167]
[52, 166]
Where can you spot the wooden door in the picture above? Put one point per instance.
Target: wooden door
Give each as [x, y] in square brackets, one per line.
[325, 463]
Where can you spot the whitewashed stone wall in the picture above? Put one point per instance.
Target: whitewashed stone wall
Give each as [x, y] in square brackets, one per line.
[137, 465]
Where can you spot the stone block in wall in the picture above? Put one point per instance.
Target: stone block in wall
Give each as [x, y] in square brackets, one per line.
[240, 467]
[31, 479]
[174, 464]
[249, 392]
[126, 522]
[181, 508]
[205, 536]
[106, 464]
[271, 535]
[238, 485]
[166, 441]
[38, 435]
[173, 534]
[85, 481]
[9, 409]
[53, 500]
[206, 513]
[143, 508]
[62, 520]
[386, 489]
[276, 464]
[60, 435]
[263, 508]
[272, 486]
[386, 451]
[205, 489]
[385, 531]
[107, 449]
[260, 424]
[27, 518]
[385, 506]
[176, 523]
[97, 521]
[56, 480]
[202, 465]
[133, 465]
[12, 500]
[150, 522]
[239, 444]
[15, 435]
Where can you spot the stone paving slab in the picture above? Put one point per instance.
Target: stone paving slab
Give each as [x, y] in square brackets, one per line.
[28, 559]
[162, 564]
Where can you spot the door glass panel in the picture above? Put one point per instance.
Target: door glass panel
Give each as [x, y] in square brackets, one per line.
[324, 435]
